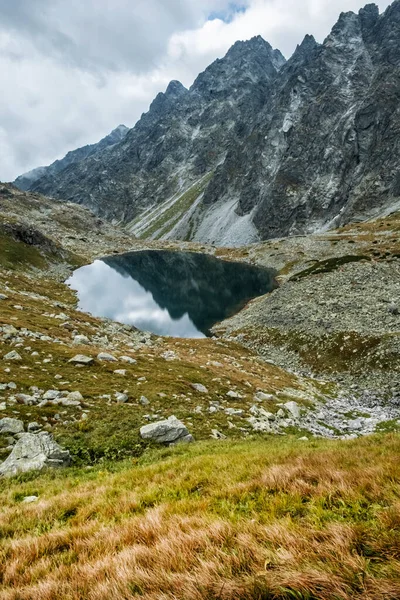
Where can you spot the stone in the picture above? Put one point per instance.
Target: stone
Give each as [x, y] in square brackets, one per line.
[393, 309]
[105, 356]
[120, 372]
[81, 340]
[169, 355]
[34, 426]
[169, 431]
[13, 355]
[217, 435]
[68, 402]
[76, 396]
[261, 396]
[144, 401]
[234, 412]
[9, 425]
[51, 395]
[260, 413]
[259, 425]
[121, 397]
[25, 399]
[233, 394]
[30, 499]
[199, 387]
[3, 297]
[81, 359]
[34, 452]
[303, 439]
[293, 408]
[128, 359]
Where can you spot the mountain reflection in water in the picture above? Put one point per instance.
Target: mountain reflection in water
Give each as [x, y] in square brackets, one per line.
[179, 294]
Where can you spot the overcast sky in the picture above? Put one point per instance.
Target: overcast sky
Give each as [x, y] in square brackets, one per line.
[72, 70]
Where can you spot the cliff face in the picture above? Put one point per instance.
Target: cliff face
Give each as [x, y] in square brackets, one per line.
[259, 147]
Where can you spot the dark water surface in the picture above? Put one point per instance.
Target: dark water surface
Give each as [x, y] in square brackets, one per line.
[180, 294]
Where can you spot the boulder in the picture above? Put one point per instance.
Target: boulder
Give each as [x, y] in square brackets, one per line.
[34, 452]
[170, 431]
[107, 357]
[293, 408]
[81, 340]
[13, 426]
[81, 359]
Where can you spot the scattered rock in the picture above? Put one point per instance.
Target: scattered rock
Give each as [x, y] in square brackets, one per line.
[81, 359]
[81, 340]
[169, 431]
[234, 412]
[128, 359]
[34, 426]
[106, 357]
[25, 399]
[293, 408]
[121, 397]
[199, 387]
[3, 297]
[34, 452]
[30, 499]
[233, 394]
[217, 435]
[169, 355]
[76, 396]
[144, 401]
[13, 355]
[51, 395]
[261, 396]
[120, 372]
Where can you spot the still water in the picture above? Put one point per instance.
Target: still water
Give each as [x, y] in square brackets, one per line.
[179, 294]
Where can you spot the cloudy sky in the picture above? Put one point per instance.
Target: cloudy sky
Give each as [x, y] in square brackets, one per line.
[72, 70]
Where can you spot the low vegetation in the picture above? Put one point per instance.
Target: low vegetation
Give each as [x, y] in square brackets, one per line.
[268, 519]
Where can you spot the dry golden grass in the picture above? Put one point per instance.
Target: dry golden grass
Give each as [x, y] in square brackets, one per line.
[270, 519]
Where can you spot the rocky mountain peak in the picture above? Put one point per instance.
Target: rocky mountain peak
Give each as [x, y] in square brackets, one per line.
[175, 89]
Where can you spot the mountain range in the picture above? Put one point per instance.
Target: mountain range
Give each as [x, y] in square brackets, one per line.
[258, 147]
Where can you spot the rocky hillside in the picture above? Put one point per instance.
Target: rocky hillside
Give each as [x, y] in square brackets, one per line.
[259, 147]
[28, 180]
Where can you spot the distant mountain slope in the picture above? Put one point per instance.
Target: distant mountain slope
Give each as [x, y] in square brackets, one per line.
[259, 147]
[26, 181]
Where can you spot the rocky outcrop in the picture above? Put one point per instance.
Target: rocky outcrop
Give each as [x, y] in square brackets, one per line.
[259, 147]
[34, 452]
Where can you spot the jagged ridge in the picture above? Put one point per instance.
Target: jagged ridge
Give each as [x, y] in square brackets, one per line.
[259, 147]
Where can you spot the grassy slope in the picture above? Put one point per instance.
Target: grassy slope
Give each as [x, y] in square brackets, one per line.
[272, 519]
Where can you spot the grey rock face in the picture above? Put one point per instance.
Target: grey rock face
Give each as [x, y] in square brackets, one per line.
[262, 147]
[9, 425]
[27, 180]
[34, 452]
[170, 431]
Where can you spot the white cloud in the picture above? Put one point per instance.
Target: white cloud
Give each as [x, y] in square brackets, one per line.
[72, 71]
